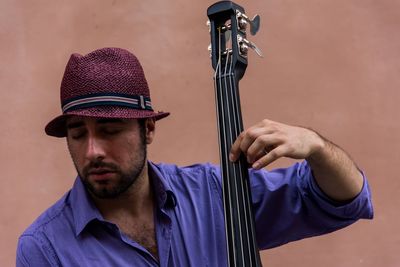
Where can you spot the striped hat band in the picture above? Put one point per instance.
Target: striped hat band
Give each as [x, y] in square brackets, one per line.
[107, 99]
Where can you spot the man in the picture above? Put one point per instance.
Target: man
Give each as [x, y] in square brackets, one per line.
[124, 210]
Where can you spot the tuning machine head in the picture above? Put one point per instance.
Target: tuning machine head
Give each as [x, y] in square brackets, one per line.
[244, 45]
[243, 20]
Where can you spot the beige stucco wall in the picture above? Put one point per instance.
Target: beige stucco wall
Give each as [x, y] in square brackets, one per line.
[329, 64]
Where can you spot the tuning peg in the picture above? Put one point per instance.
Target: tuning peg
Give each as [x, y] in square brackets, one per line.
[255, 25]
[244, 45]
[208, 23]
[243, 20]
[256, 49]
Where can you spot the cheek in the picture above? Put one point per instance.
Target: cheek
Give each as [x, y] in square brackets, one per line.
[123, 154]
[129, 152]
[76, 155]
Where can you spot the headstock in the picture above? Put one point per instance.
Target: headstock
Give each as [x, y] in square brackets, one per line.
[228, 24]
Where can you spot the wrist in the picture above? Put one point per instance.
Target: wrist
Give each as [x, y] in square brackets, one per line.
[320, 148]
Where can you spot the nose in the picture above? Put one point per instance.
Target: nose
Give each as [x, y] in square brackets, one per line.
[95, 148]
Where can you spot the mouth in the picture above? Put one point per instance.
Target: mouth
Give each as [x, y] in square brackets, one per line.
[101, 175]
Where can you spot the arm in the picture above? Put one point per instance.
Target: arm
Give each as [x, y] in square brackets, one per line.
[334, 171]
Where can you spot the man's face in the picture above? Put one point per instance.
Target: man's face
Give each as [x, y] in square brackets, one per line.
[109, 154]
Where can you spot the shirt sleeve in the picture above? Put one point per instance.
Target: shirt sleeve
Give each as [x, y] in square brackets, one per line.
[289, 206]
[30, 252]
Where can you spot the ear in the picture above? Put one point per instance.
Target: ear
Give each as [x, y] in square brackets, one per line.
[150, 130]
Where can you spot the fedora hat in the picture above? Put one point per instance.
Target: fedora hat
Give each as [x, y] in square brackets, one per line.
[106, 83]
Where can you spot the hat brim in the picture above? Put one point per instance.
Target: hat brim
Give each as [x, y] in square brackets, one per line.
[57, 126]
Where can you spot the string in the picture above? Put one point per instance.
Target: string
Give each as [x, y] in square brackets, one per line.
[238, 169]
[230, 237]
[233, 175]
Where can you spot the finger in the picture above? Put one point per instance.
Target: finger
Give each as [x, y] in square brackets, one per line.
[270, 157]
[235, 148]
[244, 140]
[250, 136]
[261, 146]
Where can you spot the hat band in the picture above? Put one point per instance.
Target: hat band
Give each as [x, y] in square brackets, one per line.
[93, 100]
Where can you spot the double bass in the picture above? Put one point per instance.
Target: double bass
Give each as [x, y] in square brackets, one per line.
[229, 53]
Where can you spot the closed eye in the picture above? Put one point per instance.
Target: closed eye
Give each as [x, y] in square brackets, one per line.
[111, 126]
[77, 133]
[111, 130]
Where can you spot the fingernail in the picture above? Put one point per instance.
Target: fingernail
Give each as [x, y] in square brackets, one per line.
[231, 157]
[256, 165]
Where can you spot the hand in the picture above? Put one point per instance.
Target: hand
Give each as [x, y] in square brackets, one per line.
[268, 141]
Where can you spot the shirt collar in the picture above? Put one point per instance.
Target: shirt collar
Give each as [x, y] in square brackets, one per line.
[165, 197]
[83, 207]
[85, 211]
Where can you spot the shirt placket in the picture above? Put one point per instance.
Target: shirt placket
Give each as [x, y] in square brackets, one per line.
[163, 234]
[149, 257]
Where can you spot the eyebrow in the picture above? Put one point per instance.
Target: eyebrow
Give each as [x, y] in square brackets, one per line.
[78, 124]
[109, 120]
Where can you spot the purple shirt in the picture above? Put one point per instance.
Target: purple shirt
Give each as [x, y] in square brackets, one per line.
[189, 220]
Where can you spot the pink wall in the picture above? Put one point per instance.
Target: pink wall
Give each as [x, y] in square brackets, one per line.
[332, 65]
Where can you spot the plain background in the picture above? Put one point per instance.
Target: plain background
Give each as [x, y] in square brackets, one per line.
[332, 65]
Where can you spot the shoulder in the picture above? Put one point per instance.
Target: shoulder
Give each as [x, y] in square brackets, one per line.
[33, 251]
[204, 175]
[195, 171]
[33, 244]
[49, 217]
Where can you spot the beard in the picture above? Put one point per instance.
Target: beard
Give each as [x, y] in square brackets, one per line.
[123, 180]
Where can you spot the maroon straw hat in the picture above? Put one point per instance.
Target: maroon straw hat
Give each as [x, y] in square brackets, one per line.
[107, 83]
